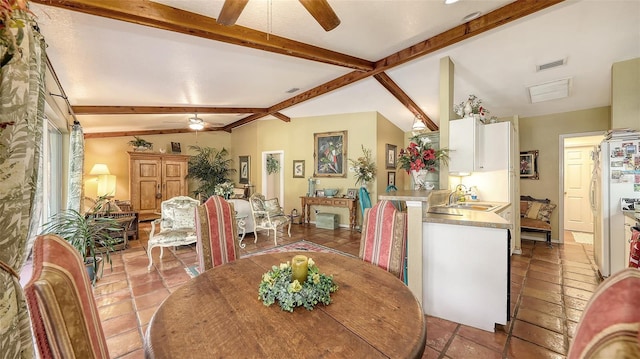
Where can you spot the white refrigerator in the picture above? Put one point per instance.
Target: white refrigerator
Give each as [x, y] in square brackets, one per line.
[614, 177]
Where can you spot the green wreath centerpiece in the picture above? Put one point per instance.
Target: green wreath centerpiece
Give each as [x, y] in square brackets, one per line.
[277, 284]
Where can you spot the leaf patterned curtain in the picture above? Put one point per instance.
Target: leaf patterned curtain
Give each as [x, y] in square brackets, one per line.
[21, 123]
[76, 163]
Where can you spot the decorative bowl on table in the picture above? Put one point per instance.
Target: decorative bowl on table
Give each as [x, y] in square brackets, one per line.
[330, 192]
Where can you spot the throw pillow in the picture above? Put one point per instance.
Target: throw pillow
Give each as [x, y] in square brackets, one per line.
[541, 211]
[184, 218]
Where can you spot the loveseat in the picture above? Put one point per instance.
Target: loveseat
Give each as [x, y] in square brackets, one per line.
[535, 216]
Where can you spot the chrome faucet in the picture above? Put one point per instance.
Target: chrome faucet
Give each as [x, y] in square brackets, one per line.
[453, 199]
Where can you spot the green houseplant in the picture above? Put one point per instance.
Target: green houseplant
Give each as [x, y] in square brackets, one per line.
[140, 144]
[211, 168]
[89, 234]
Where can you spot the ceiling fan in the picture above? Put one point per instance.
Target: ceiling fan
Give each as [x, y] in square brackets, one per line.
[319, 9]
[196, 123]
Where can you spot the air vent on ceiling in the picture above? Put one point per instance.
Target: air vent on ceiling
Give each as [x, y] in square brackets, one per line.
[549, 91]
[550, 65]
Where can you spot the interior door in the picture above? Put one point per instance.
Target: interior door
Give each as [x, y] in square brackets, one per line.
[577, 172]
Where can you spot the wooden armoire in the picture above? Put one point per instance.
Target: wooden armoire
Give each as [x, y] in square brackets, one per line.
[155, 177]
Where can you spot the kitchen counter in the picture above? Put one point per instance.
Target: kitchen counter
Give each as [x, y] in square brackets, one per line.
[467, 217]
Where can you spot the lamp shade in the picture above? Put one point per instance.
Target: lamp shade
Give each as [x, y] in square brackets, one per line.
[99, 169]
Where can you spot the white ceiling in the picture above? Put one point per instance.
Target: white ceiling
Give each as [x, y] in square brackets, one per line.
[101, 61]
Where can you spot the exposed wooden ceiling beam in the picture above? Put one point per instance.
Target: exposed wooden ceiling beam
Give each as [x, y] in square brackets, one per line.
[501, 16]
[156, 15]
[281, 117]
[159, 110]
[404, 99]
[146, 132]
[147, 13]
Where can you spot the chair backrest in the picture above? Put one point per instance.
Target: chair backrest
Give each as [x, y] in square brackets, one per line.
[365, 201]
[178, 213]
[609, 327]
[217, 233]
[383, 240]
[63, 311]
[259, 204]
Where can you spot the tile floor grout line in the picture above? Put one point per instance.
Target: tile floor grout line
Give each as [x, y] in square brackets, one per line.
[448, 343]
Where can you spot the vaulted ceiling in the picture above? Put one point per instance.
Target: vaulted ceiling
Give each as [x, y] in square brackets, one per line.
[138, 67]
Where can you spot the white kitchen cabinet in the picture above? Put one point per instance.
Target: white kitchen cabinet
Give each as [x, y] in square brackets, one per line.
[466, 274]
[495, 151]
[464, 144]
[476, 147]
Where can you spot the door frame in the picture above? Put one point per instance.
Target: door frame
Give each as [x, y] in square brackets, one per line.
[561, 149]
[280, 154]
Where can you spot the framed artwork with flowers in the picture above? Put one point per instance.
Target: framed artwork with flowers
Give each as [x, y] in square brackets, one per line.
[529, 165]
[330, 154]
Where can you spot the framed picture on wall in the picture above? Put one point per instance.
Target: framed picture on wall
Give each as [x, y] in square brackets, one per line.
[175, 147]
[244, 169]
[390, 161]
[391, 179]
[330, 154]
[529, 164]
[298, 168]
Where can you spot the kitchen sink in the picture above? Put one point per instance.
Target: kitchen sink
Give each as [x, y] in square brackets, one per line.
[472, 206]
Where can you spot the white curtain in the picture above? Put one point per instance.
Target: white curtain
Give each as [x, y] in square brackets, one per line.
[21, 123]
[76, 163]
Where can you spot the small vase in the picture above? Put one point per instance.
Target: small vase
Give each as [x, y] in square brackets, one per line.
[423, 179]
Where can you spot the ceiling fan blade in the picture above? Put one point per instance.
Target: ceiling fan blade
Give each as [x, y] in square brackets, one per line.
[322, 12]
[231, 10]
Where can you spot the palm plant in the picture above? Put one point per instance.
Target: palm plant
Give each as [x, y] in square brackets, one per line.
[91, 236]
[211, 168]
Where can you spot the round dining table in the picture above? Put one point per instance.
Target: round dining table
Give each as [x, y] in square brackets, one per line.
[218, 314]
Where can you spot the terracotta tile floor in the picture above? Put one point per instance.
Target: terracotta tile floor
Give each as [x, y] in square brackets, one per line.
[549, 290]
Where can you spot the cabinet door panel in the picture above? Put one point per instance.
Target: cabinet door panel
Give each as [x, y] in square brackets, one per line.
[174, 179]
[147, 199]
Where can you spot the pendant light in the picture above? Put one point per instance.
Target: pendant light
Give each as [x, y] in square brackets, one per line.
[418, 124]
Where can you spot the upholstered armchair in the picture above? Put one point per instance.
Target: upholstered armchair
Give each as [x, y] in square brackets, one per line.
[383, 241]
[267, 214]
[63, 312]
[177, 225]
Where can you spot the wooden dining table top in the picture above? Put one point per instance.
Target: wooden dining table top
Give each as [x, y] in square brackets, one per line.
[218, 315]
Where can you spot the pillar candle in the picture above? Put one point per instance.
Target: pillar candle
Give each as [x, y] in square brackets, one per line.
[299, 268]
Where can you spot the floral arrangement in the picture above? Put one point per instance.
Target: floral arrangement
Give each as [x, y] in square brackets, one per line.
[277, 285]
[421, 155]
[472, 106]
[363, 167]
[224, 189]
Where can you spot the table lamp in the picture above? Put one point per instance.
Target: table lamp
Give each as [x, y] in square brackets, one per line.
[106, 181]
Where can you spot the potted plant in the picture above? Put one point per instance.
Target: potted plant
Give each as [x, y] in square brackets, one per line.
[140, 144]
[420, 160]
[273, 165]
[90, 235]
[210, 168]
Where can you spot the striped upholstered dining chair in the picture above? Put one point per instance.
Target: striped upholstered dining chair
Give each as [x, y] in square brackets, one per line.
[64, 317]
[383, 241]
[217, 233]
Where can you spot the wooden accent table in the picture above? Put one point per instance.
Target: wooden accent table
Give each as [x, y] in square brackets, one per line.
[349, 203]
[218, 315]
